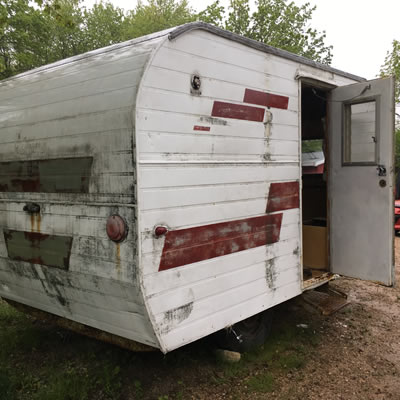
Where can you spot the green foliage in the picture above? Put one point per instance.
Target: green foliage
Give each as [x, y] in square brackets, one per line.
[34, 35]
[156, 16]
[391, 66]
[104, 24]
[238, 20]
[397, 152]
[262, 383]
[286, 26]
[278, 23]
[213, 14]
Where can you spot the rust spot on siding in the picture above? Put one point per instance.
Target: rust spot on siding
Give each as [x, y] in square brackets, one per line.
[118, 259]
[38, 222]
[283, 196]
[186, 246]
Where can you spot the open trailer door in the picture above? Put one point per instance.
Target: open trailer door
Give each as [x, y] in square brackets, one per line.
[361, 178]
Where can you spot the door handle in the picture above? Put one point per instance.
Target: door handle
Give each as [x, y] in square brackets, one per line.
[381, 170]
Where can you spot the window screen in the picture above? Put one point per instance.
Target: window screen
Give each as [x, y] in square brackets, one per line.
[360, 136]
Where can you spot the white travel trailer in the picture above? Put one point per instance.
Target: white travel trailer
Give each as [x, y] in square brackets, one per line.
[154, 189]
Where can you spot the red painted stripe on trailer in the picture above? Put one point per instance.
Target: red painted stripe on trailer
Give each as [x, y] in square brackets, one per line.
[187, 246]
[237, 111]
[283, 196]
[266, 99]
[201, 128]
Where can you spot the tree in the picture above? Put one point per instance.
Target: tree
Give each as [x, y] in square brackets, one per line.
[156, 16]
[23, 30]
[51, 30]
[391, 66]
[103, 25]
[280, 24]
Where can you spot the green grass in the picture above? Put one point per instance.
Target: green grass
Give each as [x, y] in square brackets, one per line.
[262, 383]
[39, 362]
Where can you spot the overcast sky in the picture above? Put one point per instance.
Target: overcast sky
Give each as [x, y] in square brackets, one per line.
[361, 31]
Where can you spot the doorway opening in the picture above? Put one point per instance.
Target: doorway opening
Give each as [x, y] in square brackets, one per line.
[314, 148]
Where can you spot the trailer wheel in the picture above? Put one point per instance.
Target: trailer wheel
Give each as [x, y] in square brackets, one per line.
[247, 334]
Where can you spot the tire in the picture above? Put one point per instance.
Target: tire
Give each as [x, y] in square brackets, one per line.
[247, 334]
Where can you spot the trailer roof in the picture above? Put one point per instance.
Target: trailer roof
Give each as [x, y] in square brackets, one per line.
[175, 32]
[259, 46]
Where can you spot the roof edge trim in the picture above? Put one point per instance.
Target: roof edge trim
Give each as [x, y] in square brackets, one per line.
[180, 30]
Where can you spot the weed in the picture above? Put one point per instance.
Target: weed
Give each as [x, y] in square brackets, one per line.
[7, 389]
[292, 361]
[263, 383]
[138, 389]
[69, 385]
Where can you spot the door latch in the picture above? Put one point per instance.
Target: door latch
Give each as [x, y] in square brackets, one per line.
[381, 170]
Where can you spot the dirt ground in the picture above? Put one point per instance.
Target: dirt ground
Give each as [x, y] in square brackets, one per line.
[357, 355]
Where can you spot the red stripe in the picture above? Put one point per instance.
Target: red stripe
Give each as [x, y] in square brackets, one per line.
[201, 128]
[237, 111]
[186, 246]
[283, 196]
[266, 99]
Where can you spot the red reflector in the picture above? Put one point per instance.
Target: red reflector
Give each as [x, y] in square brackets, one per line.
[160, 230]
[117, 229]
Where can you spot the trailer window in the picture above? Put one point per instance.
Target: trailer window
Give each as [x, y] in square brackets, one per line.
[360, 135]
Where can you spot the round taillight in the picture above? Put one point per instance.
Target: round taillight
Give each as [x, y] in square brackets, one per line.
[160, 231]
[117, 229]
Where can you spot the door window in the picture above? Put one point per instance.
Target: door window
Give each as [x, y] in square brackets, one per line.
[360, 133]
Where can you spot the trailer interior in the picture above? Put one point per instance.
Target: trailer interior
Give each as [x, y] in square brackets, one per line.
[314, 145]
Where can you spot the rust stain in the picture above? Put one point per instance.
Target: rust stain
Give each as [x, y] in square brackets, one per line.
[38, 222]
[118, 259]
[32, 223]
